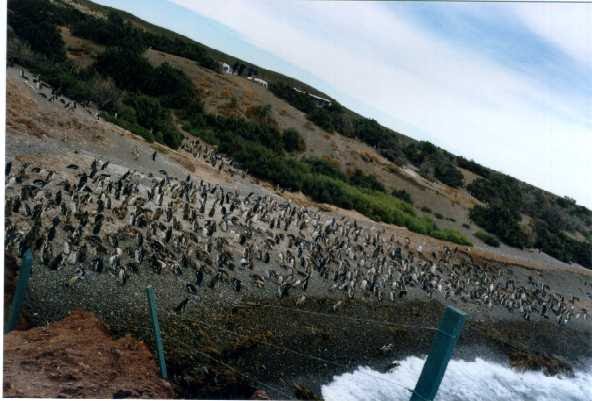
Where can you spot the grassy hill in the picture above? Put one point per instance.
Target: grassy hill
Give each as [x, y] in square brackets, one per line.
[152, 81]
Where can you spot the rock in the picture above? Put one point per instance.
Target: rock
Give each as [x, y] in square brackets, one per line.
[304, 393]
[551, 365]
[260, 395]
[78, 358]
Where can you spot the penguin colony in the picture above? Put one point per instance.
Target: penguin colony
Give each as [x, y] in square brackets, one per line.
[111, 221]
[52, 95]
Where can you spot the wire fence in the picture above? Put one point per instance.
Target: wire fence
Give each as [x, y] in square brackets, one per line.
[243, 375]
[326, 361]
[302, 354]
[493, 333]
[341, 316]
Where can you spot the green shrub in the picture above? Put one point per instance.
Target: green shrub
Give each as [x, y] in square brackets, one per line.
[362, 180]
[320, 180]
[36, 23]
[403, 195]
[501, 221]
[472, 166]
[147, 112]
[112, 31]
[293, 141]
[487, 238]
[452, 236]
[448, 174]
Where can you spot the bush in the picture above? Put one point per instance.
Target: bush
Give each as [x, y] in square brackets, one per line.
[562, 247]
[472, 166]
[498, 189]
[426, 209]
[439, 216]
[433, 162]
[322, 118]
[362, 180]
[147, 112]
[181, 47]
[501, 221]
[488, 239]
[112, 31]
[319, 179]
[299, 100]
[448, 174]
[293, 141]
[452, 236]
[35, 22]
[325, 167]
[403, 195]
[259, 114]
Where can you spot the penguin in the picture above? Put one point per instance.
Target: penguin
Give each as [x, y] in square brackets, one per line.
[182, 305]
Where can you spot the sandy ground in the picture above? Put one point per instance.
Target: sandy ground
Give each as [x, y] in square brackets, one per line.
[49, 136]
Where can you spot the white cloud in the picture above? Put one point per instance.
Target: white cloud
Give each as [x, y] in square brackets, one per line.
[467, 103]
[566, 25]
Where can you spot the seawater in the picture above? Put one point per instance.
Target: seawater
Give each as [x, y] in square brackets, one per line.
[477, 380]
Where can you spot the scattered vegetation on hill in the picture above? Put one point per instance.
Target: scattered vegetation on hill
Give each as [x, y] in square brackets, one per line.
[403, 195]
[122, 83]
[142, 98]
[433, 162]
[262, 153]
[335, 118]
[487, 238]
[551, 217]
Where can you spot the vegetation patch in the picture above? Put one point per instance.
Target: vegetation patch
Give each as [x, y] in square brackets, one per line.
[488, 239]
[261, 151]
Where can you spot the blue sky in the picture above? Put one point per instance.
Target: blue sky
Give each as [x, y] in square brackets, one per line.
[509, 85]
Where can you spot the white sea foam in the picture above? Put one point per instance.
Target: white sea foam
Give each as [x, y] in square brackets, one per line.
[477, 380]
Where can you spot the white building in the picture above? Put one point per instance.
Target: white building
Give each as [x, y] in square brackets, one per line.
[259, 81]
[226, 68]
[320, 101]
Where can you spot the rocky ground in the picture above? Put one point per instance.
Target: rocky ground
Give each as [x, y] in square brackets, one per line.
[228, 346]
[77, 358]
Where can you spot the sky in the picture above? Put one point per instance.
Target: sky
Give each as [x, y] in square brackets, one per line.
[508, 85]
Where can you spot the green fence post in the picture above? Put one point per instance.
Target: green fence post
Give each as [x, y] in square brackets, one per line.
[443, 344]
[156, 330]
[19, 292]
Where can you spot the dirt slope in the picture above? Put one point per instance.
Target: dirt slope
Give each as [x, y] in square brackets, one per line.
[77, 358]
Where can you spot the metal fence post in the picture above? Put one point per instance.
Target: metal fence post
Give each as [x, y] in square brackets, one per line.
[19, 292]
[156, 331]
[443, 344]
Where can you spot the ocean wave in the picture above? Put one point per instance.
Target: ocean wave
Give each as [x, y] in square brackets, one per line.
[477, 380]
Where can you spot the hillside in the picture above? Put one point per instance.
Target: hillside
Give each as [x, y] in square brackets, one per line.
[273, 245]
[57, 148]
[371, 169]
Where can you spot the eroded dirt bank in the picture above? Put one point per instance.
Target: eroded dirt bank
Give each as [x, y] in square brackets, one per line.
[77, 358]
